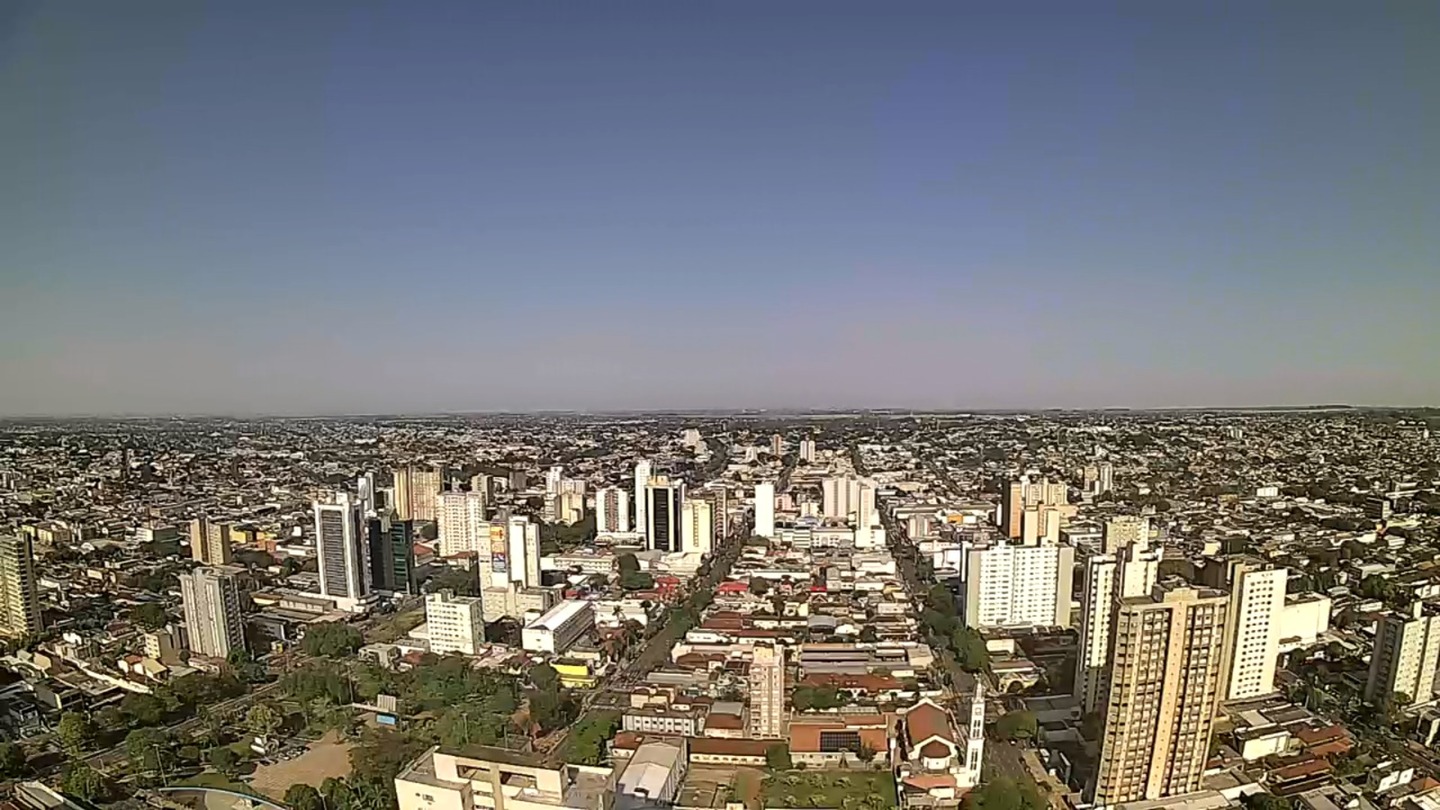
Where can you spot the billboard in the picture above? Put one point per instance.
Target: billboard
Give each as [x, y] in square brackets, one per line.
[499, 550]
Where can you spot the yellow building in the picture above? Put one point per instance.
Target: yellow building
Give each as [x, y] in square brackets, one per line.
[576, 674]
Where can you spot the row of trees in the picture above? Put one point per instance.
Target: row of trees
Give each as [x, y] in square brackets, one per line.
[965, 643]
[180, 699]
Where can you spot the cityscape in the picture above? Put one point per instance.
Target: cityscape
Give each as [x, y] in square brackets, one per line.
[1198, 609]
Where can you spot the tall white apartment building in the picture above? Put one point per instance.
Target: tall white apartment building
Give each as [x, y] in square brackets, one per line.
[807, 451]
[840, 497]
[1125, 530]
[211, 602]
[19, 589]
[1008, 585]
[462, 524]
[341, 551]
[1107, 578]
[1407, 648]
[612, 510]
[1257, 603]
[416, 492]
[697, 527]
[456, 623]
[642, 479]
[767, 692]
[765, 509]
[524, 547]
[553, 477]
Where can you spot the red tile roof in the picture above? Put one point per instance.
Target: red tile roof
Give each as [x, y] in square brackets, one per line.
[927, 720]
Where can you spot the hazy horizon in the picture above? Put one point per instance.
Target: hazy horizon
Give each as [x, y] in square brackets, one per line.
[453, 207]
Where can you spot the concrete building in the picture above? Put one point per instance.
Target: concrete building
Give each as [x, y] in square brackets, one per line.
[416, 492]
[1030, 494]
[652, 776]
[1257, 602]
[939, 759]
[462, 526]
[807, 451]
[664, 503]
[19, 589]
[523, 537]
[210, 542]
[502, 781]
[767, 692]
[765, 509]
[1009, 585]
[1106, 579]
[517, 602]
[211, 602]
[642, 479]
[456, 623]
[697, 526]
[840, 497]
[1125, 530]
[392, 553]
[1167, 673]
[612, 510]
[1407, 647]
[340, 551]
[560, 627]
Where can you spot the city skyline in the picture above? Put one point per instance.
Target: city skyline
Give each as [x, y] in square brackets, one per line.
[340, 209]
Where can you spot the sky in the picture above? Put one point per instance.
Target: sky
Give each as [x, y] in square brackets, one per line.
[271, 207]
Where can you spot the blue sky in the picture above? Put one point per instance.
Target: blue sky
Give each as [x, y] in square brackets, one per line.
[278, 207]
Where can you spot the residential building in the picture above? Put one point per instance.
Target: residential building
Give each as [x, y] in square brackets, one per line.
[1167, 673]
[840, 497]
[211, 602]
[456, 623]
[807, 451]
[1046, 500]
[1105, 579]
[392, 553]
[612, 510]
[767, 692]
[664, 502]
[698, 529]
[1257, 604]
[340, 551]
[560, 627]
[461, 524]
[19, 589]
[1407, 647]
[416, 492]
[523, 536]
[1125, 530]
[210, 542]
[765, 509]
[1009, 585]
[642, 479]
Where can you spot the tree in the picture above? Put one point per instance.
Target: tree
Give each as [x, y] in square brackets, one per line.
[940, 600]
[637, 581]
[75, 733]
[12, 760]
[865, 753]
[382, 754]
[303, 797]
[150, 749]
[84, 782]
[331, 640]
[1004, 794]
[1376, 587]
[777, 758]
[263, 719]
[970, 650]
[868, 635]
[150, 616]
[1265, 801]
[458, 580]
[143, 710]
[545, 678]
[759, 586]
[224, 760]
[1017, 725]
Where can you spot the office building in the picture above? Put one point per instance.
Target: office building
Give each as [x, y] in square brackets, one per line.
[456, 623]
[340, 551]
[211, 602]
[210, 542]
[462, 526]
[807, 451]
[1403, 661]
[416, 491]
[1008, 585]
[612, 510]
[19, 589]
[642, 479]
[1029, 494]
[664, 501]
[1105, 579]
[1167, 672]
[392, 553]
[767, 692]
[765, 509]
[560, 627]
[697, 525]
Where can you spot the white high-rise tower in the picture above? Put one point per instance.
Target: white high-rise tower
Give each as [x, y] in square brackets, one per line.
[341, 551]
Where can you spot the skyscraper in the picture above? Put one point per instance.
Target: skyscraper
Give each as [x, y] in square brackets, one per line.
[767, 692]
[461, 522]
[340, 551]
[524, 546]
[1106, 579]
[416, 491]
[612, 510]
[765, 509]
[392, 553]
[1165, 682]
[1404, 658]
[210, 542]
[211, 602]
[642, 478]
[697, 526]
[1257, 600]
[19, 590]
[840, 497]
[664, 502]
